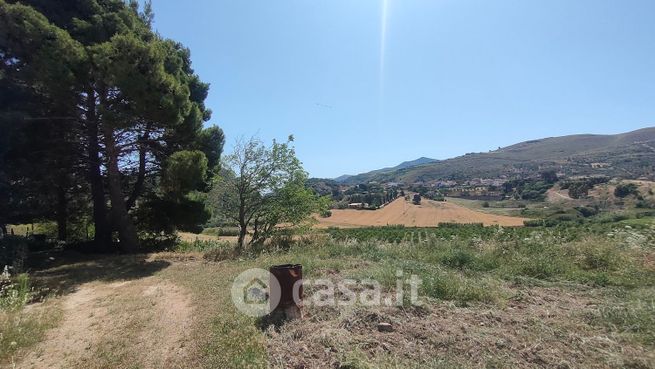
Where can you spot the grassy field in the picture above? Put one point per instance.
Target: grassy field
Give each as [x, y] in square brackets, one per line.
[492, 298]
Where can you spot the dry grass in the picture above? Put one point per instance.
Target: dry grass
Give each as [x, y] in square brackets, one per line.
[539, 327]
[550, 300]
[428, 214]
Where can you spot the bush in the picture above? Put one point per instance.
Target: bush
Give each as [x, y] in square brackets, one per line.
[13, 252]
[625, 190]
[587, 211]
[326, 213]
[533, 223]
[14, 291]
[563, 217]
[458, 259]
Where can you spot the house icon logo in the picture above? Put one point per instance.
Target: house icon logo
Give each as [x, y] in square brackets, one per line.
[251, 292]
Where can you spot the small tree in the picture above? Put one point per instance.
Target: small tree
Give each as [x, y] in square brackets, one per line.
[262, 187]
[417, 199]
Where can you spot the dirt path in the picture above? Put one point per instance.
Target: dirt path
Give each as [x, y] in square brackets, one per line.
[428, 214]
[144, 323]
[558, 196]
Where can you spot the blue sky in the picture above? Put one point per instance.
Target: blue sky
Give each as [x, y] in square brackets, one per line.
[452, 76]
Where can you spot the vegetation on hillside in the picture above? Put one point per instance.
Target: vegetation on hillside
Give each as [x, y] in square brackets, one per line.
[624, 155]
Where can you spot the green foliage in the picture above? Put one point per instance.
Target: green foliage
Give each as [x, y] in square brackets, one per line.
[201, 246]
[211, 141]
[261, 187]
[626, 189]
[533, 223]
[549, 176]
[570, 254]
[527, 189]
[587, 211]
[15, 291]
[579, 188]
[90, 72]
[167, 215]
[13, 252]
[185, 171]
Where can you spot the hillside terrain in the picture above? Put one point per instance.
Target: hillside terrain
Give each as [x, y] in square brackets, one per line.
[346, 178]
[627, 155]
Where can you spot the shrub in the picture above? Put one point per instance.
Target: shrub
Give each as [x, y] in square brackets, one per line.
[625, 190]
[13, 252]
[599, 257]
[458, 259]
[587, 211]
[14, 291]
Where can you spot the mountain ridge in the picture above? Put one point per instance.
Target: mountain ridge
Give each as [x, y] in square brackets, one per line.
[405, 164]
[630, 154]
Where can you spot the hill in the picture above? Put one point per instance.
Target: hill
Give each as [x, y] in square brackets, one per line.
[626, 155]
[404, 165]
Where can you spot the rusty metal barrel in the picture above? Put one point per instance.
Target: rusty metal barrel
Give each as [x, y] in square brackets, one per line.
[289, 280]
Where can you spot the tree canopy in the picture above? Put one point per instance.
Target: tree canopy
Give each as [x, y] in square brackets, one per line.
[118, 110]
[261, 188]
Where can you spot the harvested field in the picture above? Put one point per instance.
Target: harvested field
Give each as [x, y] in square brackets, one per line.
[428, 214]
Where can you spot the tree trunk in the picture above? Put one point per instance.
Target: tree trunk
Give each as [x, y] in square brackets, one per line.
[243, 225]
[62, 214]
[102, 236]
[3, 228]
[129, 241]
[241, 243]
[141, 176]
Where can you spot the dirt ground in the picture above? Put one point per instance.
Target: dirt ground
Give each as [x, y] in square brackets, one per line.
[428, 214]
[556, 195]
[130, 317]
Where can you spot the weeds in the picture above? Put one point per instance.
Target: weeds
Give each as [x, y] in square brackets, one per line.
[15, 291]
[19, 329]
[632, 314]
